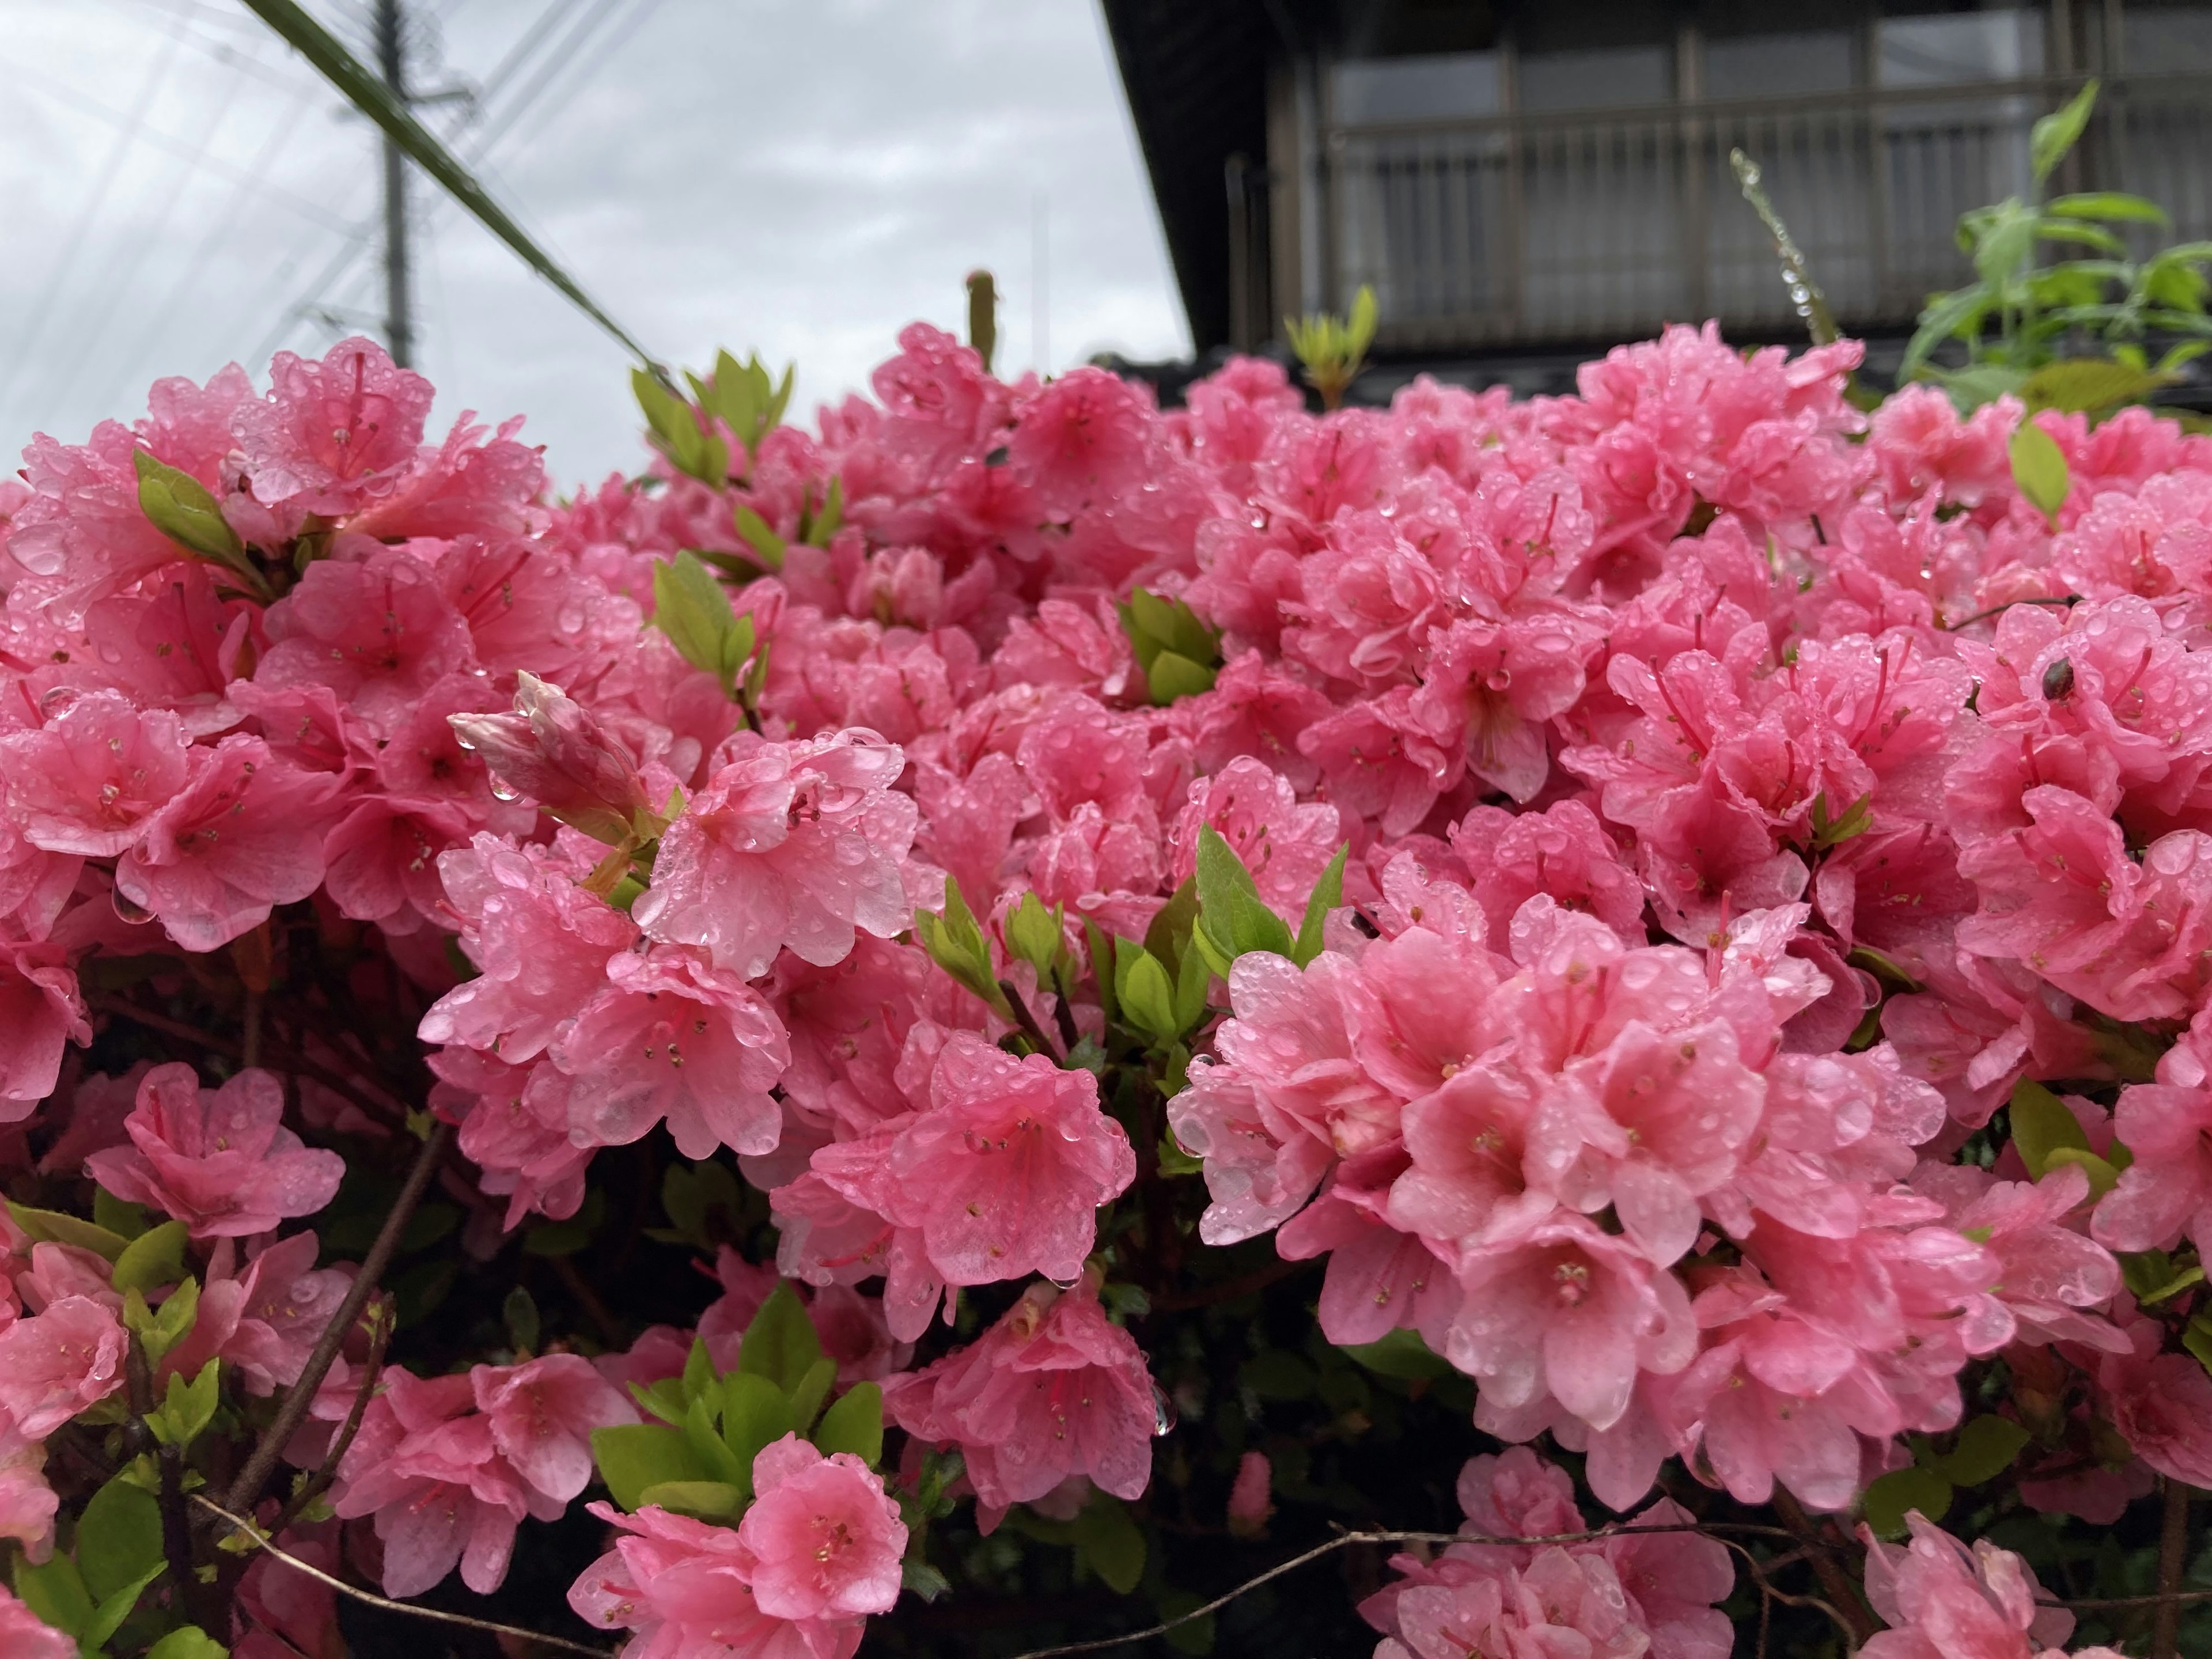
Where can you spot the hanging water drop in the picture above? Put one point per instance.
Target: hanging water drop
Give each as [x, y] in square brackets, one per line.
[1164, 1412]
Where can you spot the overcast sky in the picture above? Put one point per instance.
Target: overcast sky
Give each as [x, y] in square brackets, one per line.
[801, 177]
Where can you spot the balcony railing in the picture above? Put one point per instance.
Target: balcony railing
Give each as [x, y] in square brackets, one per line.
[1527, 230]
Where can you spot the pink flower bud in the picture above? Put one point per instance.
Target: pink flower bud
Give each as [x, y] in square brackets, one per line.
[553, 751]
[1248, 1503]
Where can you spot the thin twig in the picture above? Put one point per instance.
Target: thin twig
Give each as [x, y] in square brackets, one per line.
[1768, 1595]
[372, 1370]
[2104, 1603]
[253, 1535]
[2173, 1559]
[1345, 1540]
[282, 1058]
[1997, 609]
[1229, 1289]
[594, 1305]
[1835, 1578]
[246, 1491]
[1028, 1021]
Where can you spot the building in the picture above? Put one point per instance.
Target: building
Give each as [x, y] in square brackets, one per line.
[1525, 183]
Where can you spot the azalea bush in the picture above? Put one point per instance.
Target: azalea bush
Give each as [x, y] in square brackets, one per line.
[972, 1028]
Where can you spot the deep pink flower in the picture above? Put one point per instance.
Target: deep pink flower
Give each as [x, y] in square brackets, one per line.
[220, 1160]
[826, 1539]
[333, 436]
[28, 1637]
[41, 1014]
[794, 845]
[553, 750]
[377, 631]
[2167, 1191]
[230, 847]
[87, 782]
[55, 1363]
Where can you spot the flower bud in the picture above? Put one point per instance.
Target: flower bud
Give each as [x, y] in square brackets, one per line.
[552, 750]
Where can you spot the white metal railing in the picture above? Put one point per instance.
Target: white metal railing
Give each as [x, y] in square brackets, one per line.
[1556, 227]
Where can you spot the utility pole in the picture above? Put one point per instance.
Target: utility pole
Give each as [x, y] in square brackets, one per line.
[398, 299]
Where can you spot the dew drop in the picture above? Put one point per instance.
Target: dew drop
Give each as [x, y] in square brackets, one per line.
[1164, 1412]
[502, 790]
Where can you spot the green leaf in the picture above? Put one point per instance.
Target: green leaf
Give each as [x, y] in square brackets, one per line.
[1142, 989]
[152, 1259]
[924, 1580]
[1327, 896]
[56, 1593]
[1231, 913]
[2057, 133]
[107, 1618]
[118, 1539]
[1889, 1498]
[1981, 383]
[780, 1344]
[633, 1457]
[2107, 204]
[1191, 981]
[1172, 675]
[2005, 242]
[854, 1423]
[1403, 1355]
[2170, 1286]
[2144, 1271]
[664, 1400]
[1195, 1638]
[830, 519]
[2084, 384]
[124, 1221]
[759, 535]
[2197, 1338]
[2103, 1177]
[1033, 934]
[159, 1331]
[700, 1379]
[705, 1500]
[188, 1642]
[2041, 1124]
[696, 613]
[52, 1227]
[711, 1449]
[806, 1397]
[1109, 1543]
[1985, 1449]
[955, 942]
[676, 431]
[520, 1315]
[755, 1413]
[1947, 316]
[2039, 469]
[188, 1408]
[368, 93]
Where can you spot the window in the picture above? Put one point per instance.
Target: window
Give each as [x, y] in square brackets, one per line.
[1604, 79]
[1958, 49]
[1781, 65]
[1451, 86]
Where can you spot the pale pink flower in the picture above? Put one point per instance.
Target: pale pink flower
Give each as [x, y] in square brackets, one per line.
[41, 1014]
[2167, 1191]
[1943, 1601]
[265, 1321]
[826, 1539]
[1249, 1504]
[794, 845]
[552, 750]
[220, 1160]
[55, 1363]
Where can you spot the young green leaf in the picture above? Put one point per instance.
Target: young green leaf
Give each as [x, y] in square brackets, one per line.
[188, 1642]
[756, 1413]
[152, 1259]
[703, 1500]
[179, 505]
[56, 1592]
[701, 1379]
[633, 1457]
[1327, 896]
[678, 433]
[759, 535]
[810, 1390]
[2041, 1124]
[955, 942]
[1109, 1543]
[2039, 467]
[2057, 133]
[1142, 989]
[52, 1227]
[854, 1423]
[695, 611]
[1033, 934]
[107, 1618]
[1232, 915]
[708, 1446]
[780, 1344]
[188, 1408]
[124, 1221]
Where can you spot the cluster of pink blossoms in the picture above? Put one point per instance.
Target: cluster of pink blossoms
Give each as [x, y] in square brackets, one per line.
[1743, 798]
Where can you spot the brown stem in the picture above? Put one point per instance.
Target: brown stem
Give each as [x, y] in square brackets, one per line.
[288, 1059]
[319, 1483]
[2173, 1559]
[1229, 1290]
[1028, 1021]
[594, 1306]
[1835, 1578]
[246, 1491]
[176, 1525]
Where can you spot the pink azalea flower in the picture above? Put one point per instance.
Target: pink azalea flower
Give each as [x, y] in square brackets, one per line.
[789, 845]
[41, 1014]
[88, 780]
[1053, 1389]
[671, 1038]
[220, 1160]
[553, 750]
[265, 1321]
[1285, 846]
[426, 1465]
[55, 1363]
[28, 1637]
[685, 1587]
[542, 1412]
[375, 629]
[333, 436]
[1943, 1601]
[826, 1539]
[2161, 1404]
[229, 847]
[2167, 1191]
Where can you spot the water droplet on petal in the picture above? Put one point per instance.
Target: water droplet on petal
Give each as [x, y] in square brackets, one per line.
[1163, 1412]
